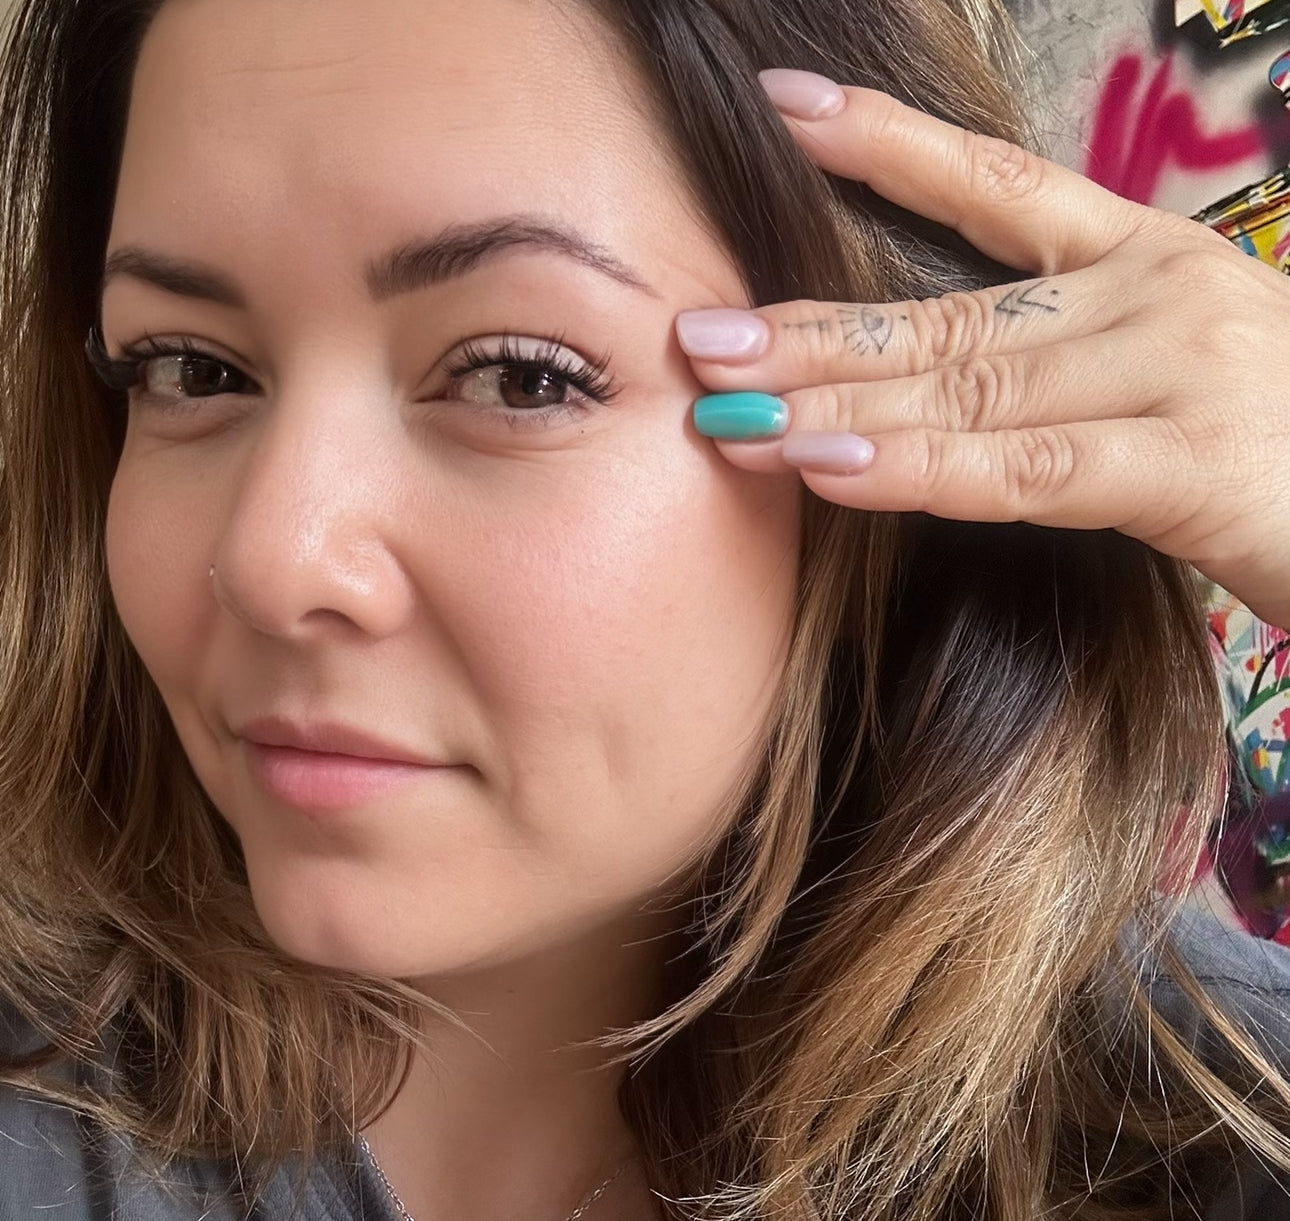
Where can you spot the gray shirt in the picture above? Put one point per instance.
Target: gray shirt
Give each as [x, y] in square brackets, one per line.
[57, 1167]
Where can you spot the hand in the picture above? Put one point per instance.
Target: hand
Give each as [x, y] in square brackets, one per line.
[1141, 382]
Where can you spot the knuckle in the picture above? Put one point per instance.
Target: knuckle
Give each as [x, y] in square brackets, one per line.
[884, 121]
[828, 408]
[1155, 228]
[1207, 276]
[1208, 241]
[1226, 343]
[1003, 172]
[972, 395]
[1037, 465]
[1203, 267]
[926, 468]
[952, 325]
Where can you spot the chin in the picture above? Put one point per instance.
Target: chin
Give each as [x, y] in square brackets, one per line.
[363, 934]
[331, 943]
[315, 924]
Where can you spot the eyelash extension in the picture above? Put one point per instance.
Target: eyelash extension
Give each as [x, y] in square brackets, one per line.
[123, 375]
[589, 377]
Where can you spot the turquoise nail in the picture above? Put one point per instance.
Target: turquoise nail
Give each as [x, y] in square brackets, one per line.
[741, 417]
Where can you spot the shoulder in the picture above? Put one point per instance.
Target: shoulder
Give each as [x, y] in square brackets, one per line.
[40, 1158]
[1248, 979]
[65, 1166]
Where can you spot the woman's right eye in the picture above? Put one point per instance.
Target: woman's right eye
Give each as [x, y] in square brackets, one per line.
[190, 377]
[167, 372]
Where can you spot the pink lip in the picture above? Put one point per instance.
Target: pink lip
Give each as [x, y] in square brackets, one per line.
[327, 766]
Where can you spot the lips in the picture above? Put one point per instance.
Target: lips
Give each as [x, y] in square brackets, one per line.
[330, 738]
[328, 767]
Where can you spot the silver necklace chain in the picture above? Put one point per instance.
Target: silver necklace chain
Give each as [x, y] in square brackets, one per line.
[585, 1203]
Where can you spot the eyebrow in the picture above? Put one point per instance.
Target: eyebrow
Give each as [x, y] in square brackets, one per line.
[417, 264]
[462, 248]
[173, 276]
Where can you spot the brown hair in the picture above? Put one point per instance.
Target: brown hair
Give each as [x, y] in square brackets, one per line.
[907, 994]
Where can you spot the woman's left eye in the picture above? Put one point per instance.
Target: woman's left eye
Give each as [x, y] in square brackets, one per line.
[537, 377]
[519, 387]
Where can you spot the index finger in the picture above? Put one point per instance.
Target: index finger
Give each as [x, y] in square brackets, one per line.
[1009, 203]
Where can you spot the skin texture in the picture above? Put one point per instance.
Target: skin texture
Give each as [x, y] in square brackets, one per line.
[584, 616]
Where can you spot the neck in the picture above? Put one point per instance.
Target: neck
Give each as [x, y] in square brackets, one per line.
[515, 1117]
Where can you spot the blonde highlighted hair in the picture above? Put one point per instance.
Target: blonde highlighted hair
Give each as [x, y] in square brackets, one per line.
[907, 993]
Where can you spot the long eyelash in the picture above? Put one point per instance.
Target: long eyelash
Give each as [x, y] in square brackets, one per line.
[123, 374]
[590, 377]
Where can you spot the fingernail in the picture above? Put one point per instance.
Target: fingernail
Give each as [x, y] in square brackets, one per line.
[803, 95]
[722, 334]
[833, 453]
[741, 417]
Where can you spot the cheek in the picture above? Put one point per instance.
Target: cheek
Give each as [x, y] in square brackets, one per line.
[158, 547]
[628, 630]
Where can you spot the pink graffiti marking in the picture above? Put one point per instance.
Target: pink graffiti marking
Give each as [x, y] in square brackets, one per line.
[1134, 141]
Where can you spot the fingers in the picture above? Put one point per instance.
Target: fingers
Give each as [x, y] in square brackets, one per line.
[1013, 205]
[1069, 476]
[807, 343]
[1102, 377]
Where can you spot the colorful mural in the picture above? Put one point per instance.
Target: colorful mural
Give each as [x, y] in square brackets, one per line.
[1252, 853]
[1167, 102]
[1236, 19]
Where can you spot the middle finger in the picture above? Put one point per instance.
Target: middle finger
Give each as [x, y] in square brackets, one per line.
[1103, 377]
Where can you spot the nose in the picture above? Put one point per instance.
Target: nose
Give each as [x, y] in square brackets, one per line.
[306, 543]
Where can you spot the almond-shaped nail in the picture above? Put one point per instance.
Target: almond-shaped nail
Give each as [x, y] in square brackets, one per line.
[831, 453]
[722, 334]
[803, 95]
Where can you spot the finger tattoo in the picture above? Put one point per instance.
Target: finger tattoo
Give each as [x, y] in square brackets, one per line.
[864, 328]
[870, 330]
[1032, 299]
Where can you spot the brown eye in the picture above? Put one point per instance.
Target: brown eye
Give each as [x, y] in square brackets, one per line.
[190, 377]
[525, 388]
[526, 379]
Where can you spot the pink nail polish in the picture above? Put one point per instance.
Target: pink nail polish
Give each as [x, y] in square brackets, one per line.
[722, 334]
[833, 453]
[803, 95]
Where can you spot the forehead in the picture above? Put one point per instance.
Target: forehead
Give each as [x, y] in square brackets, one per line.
[339, 125]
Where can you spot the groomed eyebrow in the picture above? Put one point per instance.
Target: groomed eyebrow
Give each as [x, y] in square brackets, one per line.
[417, 264]
[462, 248]
[173, 276]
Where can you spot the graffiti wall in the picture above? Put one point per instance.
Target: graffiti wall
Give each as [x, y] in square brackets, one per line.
[1157, 112]
[1142, 96]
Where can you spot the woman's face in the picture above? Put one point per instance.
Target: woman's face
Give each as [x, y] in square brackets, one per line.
[491, 631]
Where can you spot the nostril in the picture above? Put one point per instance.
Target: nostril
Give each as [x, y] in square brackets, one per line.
[327, 589]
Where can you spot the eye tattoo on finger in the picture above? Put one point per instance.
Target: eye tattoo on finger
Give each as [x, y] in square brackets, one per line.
[1031, 299]
[870, 331]
[864, 329]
